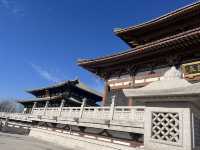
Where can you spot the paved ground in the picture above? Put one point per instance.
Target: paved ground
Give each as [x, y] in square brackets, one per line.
[20, 142]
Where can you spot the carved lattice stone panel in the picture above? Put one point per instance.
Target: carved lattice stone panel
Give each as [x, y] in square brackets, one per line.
[165, 126]
[196, 131]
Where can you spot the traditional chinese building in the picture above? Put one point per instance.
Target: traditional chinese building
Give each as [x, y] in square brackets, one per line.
[170, 40]
[69, 93]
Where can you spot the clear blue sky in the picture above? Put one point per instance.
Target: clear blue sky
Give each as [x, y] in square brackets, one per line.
[40, 40]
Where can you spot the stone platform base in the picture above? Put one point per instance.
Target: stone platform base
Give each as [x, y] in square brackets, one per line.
[76, 142]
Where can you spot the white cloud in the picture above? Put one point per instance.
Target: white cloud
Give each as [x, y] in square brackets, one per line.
[11, 6]
[5, 3]
[44, 73]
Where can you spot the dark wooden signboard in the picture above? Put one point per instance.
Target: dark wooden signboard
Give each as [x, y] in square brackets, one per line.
[191, 70]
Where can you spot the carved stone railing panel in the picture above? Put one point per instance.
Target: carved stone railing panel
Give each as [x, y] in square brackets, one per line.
[166, 127]
[96, 112]
[38, 111]
[70, 112]
[51, 112]
[129, 114]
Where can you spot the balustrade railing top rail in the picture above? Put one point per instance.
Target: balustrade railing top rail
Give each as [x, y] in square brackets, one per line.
[118, 113]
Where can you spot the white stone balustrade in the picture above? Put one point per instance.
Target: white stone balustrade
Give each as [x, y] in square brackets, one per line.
[169, 120]
[96, 113]
[122, 113]
[15, 116]
[38, 111]
[70, 112]
[51, 112]
[135, 114]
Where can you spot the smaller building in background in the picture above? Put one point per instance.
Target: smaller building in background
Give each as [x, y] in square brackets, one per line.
[69, 93]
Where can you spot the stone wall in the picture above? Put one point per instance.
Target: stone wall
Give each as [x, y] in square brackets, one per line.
[76, 142]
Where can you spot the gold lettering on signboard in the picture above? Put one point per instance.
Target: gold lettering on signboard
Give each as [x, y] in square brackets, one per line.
[191, 69]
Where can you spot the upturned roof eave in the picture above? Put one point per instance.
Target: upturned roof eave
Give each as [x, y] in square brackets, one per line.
[78, 84]
[48, 87]
[46, 99]
[41, 99]
[84, 87]
[143, 48]
[158, 20]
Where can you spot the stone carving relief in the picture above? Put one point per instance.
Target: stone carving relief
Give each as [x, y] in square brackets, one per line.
[165, 126]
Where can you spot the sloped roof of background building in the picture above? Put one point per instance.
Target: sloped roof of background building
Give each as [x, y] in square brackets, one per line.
[78, 84]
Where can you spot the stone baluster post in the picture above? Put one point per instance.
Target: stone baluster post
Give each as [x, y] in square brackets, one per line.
[82, 107]
[7, 120]
[45, 108]
[34, 105]
[112, 107]
[61, 106]
[24, 110]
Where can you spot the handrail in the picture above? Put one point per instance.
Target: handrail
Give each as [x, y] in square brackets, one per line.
[120, 113]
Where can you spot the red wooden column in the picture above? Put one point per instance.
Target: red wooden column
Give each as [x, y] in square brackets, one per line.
[132, 76]
[106, 90]
[130, 102]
